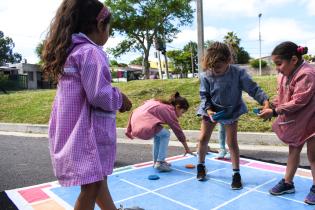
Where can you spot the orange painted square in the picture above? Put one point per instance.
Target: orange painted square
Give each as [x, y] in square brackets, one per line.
[48, 205]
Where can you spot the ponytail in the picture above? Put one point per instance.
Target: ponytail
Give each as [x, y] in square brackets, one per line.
[177, 100]
[286, 50]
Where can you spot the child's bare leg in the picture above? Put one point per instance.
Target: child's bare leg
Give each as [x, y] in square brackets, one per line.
[311, 156]
[87, 197]
[292, 163]
[104, 199]
[205, 134]
[231, 134]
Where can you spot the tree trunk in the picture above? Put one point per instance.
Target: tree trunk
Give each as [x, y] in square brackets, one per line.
[146, 65]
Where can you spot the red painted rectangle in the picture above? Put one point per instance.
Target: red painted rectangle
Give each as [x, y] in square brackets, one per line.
[34, 194]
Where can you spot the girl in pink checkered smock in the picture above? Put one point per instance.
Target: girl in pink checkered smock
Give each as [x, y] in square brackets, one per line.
[82, 126]
[294, 107]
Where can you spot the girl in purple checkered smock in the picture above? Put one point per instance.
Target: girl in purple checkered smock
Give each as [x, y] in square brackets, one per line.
[82, 126]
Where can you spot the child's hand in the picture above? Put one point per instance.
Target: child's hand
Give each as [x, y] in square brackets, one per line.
[126, 105]
[266, 114]
[266, 105]
[210, 112]
[189, 152]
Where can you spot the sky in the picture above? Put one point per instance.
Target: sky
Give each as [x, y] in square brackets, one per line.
[281, 20]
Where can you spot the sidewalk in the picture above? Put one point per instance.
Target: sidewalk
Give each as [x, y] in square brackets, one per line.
[245, 138]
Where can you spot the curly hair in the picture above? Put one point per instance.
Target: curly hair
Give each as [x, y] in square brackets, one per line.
[72, 16]
[216, 52]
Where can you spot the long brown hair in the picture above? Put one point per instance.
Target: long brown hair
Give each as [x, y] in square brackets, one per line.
[176, 100]
[73, 16]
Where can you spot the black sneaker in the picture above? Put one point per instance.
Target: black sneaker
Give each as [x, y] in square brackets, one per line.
[201, 172]
[236, 182]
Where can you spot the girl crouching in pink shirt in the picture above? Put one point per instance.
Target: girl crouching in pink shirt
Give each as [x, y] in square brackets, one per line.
[147, 121]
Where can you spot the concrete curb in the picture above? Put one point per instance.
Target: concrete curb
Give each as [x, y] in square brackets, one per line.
[246, 138]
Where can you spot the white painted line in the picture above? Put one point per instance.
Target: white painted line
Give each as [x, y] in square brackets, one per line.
[164, 187]
[9, 133]
[131, 197]
[18, 200]
[256, 161]
[241, 195]
[158, 194]
[195, 173]
[58, 199]
[279, 196]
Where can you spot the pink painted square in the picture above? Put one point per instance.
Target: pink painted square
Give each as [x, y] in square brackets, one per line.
[34, 194]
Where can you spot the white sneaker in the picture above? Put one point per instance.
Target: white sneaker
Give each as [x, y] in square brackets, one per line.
[221, 153]
[132, 208]
[162, 167]
[227, 156]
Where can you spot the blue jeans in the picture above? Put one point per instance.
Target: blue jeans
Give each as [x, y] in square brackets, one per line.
[222, 136]
[160, 145]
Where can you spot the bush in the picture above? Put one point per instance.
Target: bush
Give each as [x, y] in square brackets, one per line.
[255, 63]
[7, 84]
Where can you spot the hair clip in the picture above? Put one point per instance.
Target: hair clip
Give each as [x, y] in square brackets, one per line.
[300, 49]
[102, 14]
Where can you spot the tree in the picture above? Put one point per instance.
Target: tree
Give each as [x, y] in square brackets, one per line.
[192, 49]
[242, 56]
[208, 43]
[180, 59]
[39, 50]
[239, 54]
[140, 22]
[233, 42]
[6, 50]
[137, 61]
[114, 63]
[309, 58]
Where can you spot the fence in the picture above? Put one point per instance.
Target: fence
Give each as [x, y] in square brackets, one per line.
[13, 82]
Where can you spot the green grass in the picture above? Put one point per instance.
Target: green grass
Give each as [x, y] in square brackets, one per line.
[34, 106]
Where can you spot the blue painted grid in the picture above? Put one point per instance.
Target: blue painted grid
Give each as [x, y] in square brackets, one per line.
[179, 189]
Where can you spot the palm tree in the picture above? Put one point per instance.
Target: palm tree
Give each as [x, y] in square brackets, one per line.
[233, 42]
[208, 43]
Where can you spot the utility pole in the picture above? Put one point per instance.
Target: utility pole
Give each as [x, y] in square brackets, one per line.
[192, 60]
[259, 16]
[200, 33]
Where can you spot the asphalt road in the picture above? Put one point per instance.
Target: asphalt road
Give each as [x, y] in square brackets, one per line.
[25, 161]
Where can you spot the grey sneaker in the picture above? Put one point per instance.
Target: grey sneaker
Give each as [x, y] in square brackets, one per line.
[169, 164]
[162, 166]
[282, 188]
[310, 198]
[132, 208]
